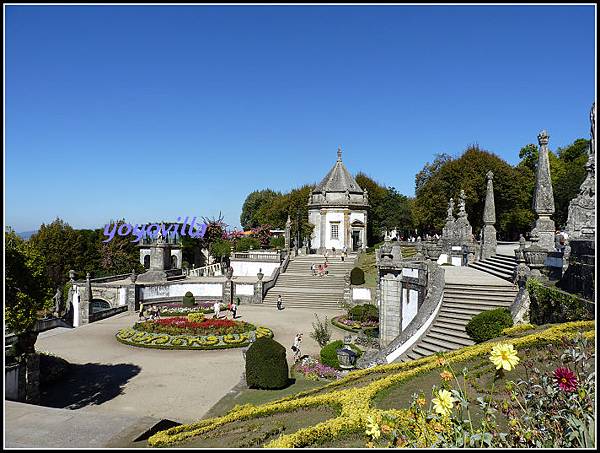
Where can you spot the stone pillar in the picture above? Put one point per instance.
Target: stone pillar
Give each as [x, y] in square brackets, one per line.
[347, 228]
[288, 229]
[84, 302]
[390, 309]
[323, 228]
[543, 198]
[364, 244]
[258, 288]
[488, 233]
[347, 289]
[32, 378]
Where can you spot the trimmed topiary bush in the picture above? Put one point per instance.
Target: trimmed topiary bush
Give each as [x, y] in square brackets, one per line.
[357, 276]
[188, 300]
[266, 365]
[329, 353]
[489, 324]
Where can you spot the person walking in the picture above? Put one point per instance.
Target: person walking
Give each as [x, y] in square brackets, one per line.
[279, 302]
[234, 309]
[141, 312]
[296, 347]
[217, 309]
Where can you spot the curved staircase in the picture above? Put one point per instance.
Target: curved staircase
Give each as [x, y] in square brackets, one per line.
[501, 266]
[300, 289]
[460, 303]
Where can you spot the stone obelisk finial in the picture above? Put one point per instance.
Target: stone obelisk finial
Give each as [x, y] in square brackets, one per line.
[339, 153]
[488, 233]
[543, 198]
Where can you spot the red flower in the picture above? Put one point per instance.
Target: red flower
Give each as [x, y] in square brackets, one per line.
[566, 379]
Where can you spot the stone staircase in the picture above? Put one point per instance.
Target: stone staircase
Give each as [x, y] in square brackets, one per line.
[300, 289]
[460, 303]
[501, 266]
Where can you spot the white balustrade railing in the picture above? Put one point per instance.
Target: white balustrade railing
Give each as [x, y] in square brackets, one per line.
[211, 270]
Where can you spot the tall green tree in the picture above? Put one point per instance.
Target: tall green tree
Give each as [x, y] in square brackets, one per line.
[249, 218]
[59, 245]
[26, 288]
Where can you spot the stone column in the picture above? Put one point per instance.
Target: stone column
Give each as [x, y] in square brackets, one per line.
[347, 228]
[32, 378]
[543, 198]
[364, 245]
[258, 288]
[84, 302]
[288, 229]
[323, 228]
[488, 233]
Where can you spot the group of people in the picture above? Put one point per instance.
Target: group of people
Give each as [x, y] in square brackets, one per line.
[319, 269]
[231, 306]
[152, 313]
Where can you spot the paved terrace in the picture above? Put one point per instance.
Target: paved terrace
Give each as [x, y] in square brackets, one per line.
[118, 388]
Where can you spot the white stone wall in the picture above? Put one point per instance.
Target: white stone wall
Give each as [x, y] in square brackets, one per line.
[242, 289]
[178, 290]
[333, 217]
[410, 305]
[251, 268]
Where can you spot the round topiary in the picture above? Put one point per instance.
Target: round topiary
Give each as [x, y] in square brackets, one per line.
[266, 365]
[188, 300]
[357, 276]
[489, 324]
[329, 353]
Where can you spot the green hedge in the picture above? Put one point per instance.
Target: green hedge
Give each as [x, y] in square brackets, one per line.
[550, 305]
[266, 365]
[488, 324]
[329, 353]
[357, 276]
[364, 312]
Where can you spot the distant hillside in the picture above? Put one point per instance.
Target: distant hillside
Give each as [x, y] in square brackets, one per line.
[26, 234]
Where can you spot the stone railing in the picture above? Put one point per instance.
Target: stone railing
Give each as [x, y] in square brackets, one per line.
[258, 255]
[271, 283]
[206, 271]
[417, 327]
[107, 313]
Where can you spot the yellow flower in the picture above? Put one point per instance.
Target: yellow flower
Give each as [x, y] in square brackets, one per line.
[446, 375]
[372, 428]
[504, 356]
[443, 403]
[440, 361]
[421, 401]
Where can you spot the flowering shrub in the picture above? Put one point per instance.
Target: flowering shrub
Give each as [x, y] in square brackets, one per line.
[184, 326]
[555, 410]
[195, 317]
[345, 322]
[355, 403]
[314, 370]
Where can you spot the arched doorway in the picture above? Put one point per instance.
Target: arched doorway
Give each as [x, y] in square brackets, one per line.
[173, 262]
[147, 261]
[97, 305]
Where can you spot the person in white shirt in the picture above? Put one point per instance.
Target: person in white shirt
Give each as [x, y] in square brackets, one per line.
[217, 309]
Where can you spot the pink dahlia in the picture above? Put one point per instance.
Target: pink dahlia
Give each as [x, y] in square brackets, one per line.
[566, 379]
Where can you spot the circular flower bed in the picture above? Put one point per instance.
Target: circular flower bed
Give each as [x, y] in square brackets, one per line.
[344, 322]
[182, 333]
[177, 308]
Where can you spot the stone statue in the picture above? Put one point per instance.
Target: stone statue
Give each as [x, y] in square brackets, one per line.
[159, 236]
[347, 194]
[461, 204]
[451, 209]
[366, 196]
[57, 302]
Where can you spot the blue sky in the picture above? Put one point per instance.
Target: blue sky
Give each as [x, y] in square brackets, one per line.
[158, 112]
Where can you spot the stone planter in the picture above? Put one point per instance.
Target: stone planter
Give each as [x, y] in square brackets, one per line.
[346, 358]
[535, 257]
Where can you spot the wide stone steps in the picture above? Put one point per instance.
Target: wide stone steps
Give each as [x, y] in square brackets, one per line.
[299, 288]
[501, 266]
[460, 303]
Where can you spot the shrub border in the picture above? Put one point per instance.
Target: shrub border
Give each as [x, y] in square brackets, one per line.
[207, 342]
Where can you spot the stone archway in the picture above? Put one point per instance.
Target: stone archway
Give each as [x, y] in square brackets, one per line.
[97, 305]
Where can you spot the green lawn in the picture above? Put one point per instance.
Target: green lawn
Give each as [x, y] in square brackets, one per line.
[366, 262]
[242, 395]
